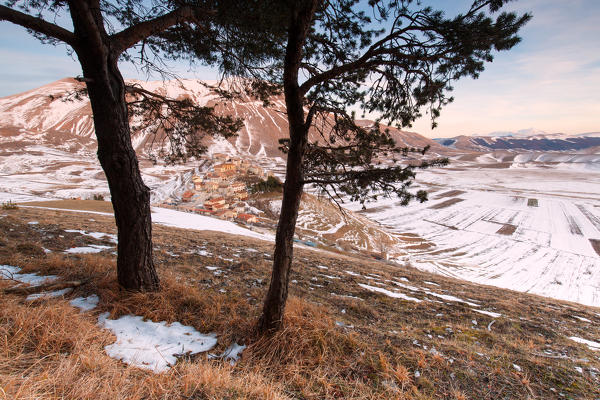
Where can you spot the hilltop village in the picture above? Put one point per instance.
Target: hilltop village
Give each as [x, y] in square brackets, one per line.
[222, 192]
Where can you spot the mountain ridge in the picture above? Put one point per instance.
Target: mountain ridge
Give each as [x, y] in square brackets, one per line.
[43, 116]
[537, 142]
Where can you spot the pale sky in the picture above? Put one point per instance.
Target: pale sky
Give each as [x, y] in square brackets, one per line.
[549, 82]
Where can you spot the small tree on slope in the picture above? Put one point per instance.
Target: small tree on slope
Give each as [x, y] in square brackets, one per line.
[336, 58]
[99, 47]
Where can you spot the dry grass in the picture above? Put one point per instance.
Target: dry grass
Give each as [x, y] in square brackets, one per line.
[595, 245]
[532, 202]
[85, 205]
[446, 203]
[450, 193]
[507, 229]
[53, 352]
[332, 346]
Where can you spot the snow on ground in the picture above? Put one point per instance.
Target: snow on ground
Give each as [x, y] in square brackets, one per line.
[179, 219]
[48, 295]
[548, 253]
[581, 318]
[91, 249]
[231, 354]
[95, 235]
[66, 209]
[85, 303]
[592, 345]
[18, 197]
[497, 236]
[153, 345]
[489, 313]
[389, 293]
[448, 297]
[12, 273]
[395, 294]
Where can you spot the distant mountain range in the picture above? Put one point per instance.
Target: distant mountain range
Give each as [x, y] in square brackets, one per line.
[526, 139]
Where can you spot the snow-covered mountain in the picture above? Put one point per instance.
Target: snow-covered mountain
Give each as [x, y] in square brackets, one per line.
[43, 116]
[48, 142]
[528, 140]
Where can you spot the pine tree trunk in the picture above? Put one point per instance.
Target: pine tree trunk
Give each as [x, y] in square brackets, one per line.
[130, 196]
[273, 308]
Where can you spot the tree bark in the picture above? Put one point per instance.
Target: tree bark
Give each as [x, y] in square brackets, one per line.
[274, 305]
[130, 196]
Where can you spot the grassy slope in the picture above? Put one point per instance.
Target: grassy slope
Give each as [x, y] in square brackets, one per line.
[319, 220]
[51, 351]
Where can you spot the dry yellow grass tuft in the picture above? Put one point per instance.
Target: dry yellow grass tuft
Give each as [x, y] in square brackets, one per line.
[51, 351]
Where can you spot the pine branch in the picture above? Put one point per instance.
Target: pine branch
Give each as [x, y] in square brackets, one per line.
[38, 25]
[130, 36]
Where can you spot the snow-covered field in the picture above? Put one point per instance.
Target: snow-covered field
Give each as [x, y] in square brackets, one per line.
[40, 173]
[528, 225]
[527, 229]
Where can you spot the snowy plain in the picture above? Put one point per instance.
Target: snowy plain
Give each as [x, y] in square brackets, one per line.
[528, 229]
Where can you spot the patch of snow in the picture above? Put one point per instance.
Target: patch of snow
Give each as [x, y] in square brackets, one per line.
[66, 209]
[85, 303]
[322, 267]
[450, 298]
[211, 268]
[179, 219]
[48, 295]
[490, 313]
[33, 223]
[91, 249]
[233, 353]
[11, 272]
[352, 273]
[347, 296]
[389, 293]
[518, 368]
[409, 287]
[581, 318]
[95, 235]
[153, 345]
[592, 345]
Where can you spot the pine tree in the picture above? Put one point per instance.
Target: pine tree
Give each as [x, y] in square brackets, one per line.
[101, 35]
[391, 58]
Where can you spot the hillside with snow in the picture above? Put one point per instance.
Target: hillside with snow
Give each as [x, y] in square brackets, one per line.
[529, 140]
[47, 139]
[480, 224]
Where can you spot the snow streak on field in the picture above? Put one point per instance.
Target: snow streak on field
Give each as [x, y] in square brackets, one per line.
[524, 229]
